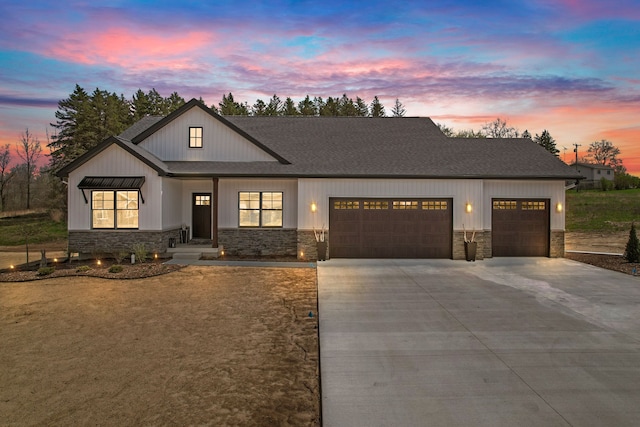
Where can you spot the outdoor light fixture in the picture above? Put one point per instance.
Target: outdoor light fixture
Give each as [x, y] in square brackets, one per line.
[468, 208]
[99, 262]
[559, 207]
[301, 254]
[11, 267]
[155, 256]
[55, 260]
[314, 207]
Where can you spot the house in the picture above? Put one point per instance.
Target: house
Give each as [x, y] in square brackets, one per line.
[593, 174]
[381, 187]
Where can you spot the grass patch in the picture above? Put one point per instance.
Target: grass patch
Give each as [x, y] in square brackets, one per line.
[602, 210]
[40, 228]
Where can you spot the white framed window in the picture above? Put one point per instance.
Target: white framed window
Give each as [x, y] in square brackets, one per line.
[114, 209]
[260, 209]
[195, 137]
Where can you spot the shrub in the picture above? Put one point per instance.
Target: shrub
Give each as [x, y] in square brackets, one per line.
[116, 268]
[140, 251]
[83, 268]
[45, 271]
[632, 251]
[119, 256]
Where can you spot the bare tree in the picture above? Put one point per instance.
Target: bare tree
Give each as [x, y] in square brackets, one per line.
[603, 152]
[499, 129]
[5, 176]
[29, 150]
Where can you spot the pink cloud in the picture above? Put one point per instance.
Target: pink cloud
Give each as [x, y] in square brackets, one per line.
[129, 49]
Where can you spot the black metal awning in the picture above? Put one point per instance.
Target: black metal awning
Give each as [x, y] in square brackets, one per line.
[111, 183]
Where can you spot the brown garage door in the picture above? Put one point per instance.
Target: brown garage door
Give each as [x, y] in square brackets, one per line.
[390, 228]
[520, 227]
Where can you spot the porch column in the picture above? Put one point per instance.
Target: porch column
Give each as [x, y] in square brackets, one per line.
[214, 215]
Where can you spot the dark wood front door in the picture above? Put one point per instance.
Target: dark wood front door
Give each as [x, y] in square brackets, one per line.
[520, 227]
[390, 228]
[201, 219]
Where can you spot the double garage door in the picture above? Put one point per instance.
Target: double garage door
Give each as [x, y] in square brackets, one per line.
[422, 228]
[390, 228]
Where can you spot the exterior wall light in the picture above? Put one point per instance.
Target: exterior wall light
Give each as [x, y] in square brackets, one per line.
[559, 207]
[314, 207]
[468, 208]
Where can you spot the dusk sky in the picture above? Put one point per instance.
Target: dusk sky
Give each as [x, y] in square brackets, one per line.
[569, 66]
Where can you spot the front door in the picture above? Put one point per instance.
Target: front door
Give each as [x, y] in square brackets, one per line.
[201, 219]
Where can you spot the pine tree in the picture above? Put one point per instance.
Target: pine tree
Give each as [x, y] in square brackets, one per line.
[632, 251]
[274, 107]
[546, 141]
[398, 109]
[289, 108]
[526, 134]
[307, 107]
[259, 108]
[361, 106]
[377, 109]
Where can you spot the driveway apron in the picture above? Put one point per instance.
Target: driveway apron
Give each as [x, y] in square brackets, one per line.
[499, 342]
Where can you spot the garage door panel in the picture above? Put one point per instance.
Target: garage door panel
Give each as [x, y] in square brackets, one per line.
[388, 228]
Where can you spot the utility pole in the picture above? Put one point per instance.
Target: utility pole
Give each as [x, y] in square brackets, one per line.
[575, 150]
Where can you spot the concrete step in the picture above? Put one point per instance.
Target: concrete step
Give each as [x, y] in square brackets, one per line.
[187, 255]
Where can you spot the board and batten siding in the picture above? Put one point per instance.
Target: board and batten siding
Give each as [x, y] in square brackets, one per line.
[114, 161]
[219, 143]
[172, 216]
[505, 189]
[228, 190]
[319, 191]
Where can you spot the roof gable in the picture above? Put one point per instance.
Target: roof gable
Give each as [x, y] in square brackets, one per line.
[163, 123]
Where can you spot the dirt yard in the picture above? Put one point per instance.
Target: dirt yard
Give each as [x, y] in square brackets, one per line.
[203, 345]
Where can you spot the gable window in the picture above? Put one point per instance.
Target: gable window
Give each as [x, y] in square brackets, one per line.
[260, 208]
[114, 209]
[195, 137]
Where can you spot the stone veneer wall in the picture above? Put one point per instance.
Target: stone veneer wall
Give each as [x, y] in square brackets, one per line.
[458, 245]
[100, 242]
[557, 244]
[258, 241]
[307, 245]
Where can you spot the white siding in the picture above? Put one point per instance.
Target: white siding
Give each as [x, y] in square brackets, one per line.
[228, 199]
[171, 143]
[114, 161]
[319, 191]
[552, 190]
[171, 206]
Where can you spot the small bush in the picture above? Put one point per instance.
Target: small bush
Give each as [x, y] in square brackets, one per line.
[119, 256]
[83, 268]
[140, 251]
[632, 251]
[116, 268]
[45, 271]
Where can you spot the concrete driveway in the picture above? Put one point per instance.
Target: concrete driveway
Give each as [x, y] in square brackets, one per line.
[499, 342]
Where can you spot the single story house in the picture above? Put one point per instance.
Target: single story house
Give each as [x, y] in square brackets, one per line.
[379, 187]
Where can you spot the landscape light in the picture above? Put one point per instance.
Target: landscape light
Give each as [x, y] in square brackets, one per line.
[99, 262]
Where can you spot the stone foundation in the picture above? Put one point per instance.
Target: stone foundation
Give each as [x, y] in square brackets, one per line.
[107, 242]
[307, 248]
[556, 249]
[258, 241]
[458, 245]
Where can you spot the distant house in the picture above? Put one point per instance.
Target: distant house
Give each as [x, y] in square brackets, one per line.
[593, 174]
[381, 187]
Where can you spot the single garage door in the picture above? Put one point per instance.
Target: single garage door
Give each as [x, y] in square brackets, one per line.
[520, 227]
[390, 228]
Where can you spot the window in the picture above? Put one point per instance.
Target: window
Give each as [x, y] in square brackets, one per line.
[504, 204]
[114, 209]
[533, 206]
[598, 171]
[346, 204]
[260, 209]
[375, 205]
[195, 137]
[435, 205]
[405, 204]
[203, 200]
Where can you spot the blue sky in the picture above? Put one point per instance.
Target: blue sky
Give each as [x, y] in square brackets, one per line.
[567, 66]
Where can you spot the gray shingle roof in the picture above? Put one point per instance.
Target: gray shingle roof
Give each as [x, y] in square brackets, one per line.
[357, 147]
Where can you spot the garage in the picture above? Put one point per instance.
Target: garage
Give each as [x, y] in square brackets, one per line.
[520, 227]
[390, 228]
